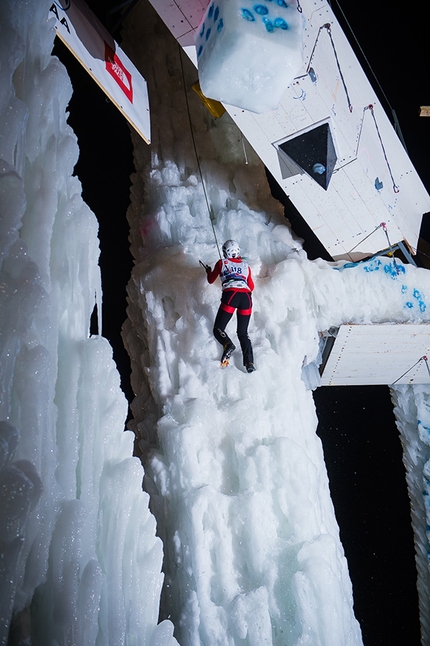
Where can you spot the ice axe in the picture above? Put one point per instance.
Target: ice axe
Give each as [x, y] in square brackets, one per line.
[205, 267]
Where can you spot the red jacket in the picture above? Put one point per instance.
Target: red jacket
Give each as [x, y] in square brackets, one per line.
[235, 274]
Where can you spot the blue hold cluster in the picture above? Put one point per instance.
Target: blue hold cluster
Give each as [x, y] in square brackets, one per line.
[419, 301]
[258, 11]
[394, 270]
[262, 10]
[212, 19]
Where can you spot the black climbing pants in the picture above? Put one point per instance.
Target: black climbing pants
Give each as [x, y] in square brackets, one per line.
[241, 301]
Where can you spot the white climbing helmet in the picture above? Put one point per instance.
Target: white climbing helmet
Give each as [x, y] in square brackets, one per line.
[231, 249]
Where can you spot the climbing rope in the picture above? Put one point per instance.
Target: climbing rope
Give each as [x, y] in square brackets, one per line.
[395, 187]
[396, 123]
[327, 26]
[423, 358]
[209, 206]
[384, 226]
[368, 236]
[390, 246]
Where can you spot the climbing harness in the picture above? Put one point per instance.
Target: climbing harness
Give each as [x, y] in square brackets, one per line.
[209, 206]
[423, 358]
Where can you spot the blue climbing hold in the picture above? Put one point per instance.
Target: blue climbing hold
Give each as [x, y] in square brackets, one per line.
[282, 3]
[261, 9]
[349, 265]
[410, 305]
[280, 23]
[312, 75]
[247, 15]
[220, 25]
[393, 270]
[208, 33]
[269, 25]
[319, 168]
[199, 53]
[216, 14]
[211, 11]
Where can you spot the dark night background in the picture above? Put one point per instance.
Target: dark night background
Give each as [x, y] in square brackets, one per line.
[356, 424]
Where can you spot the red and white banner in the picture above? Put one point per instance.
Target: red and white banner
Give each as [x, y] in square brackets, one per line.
[104, 60]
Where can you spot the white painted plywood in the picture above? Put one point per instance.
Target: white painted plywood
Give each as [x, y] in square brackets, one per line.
[378, 354]
[182, 17]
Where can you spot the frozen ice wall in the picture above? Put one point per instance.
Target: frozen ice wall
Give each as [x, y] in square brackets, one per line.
[412, 410]
[233, 464]
[79, 560]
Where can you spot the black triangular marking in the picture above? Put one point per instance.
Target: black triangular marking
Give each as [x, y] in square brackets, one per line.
[314, 152]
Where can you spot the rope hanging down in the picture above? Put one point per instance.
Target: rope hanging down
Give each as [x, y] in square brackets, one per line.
[395, 187]
[384, 226]
[368, 236]
[390, 246]
[209, 207]
[327, 26]
[423, 358]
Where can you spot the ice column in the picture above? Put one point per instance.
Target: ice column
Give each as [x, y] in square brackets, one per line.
[234, 466]
[79, 559]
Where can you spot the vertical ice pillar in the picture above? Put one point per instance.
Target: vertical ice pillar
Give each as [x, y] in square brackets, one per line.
[248, 52]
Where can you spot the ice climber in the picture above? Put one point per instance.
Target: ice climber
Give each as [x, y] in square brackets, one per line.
[237, 285]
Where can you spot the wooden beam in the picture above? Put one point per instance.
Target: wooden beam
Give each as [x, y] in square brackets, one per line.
[424, 110]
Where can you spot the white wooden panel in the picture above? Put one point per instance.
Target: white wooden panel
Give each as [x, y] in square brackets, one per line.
[378, 354]
[182, 17]
[351, 207]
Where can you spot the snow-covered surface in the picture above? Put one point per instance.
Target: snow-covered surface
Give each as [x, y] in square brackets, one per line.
[228, 36]
[235, 469]
[74, 522]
